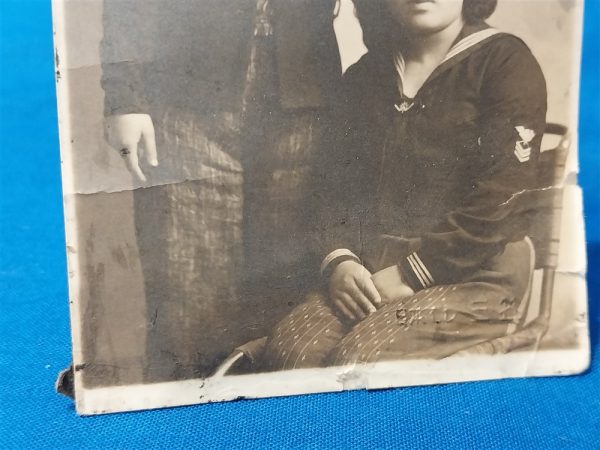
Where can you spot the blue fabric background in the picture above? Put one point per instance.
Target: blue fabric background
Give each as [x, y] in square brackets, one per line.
[34, 327]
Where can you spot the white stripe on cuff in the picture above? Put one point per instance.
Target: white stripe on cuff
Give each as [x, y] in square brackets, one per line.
[416, 271]
[336, 254]
[424, 268]
[420, 270]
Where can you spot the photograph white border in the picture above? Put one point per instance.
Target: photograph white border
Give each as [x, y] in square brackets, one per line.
[379, 375]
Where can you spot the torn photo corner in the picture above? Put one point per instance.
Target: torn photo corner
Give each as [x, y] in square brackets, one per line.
[277, 197]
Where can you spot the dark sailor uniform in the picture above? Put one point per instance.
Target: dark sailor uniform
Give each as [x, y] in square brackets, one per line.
[441, 185]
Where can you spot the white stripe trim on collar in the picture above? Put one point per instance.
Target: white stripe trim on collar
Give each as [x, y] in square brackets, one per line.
[399, 64]
[469, 41]
[462, 45]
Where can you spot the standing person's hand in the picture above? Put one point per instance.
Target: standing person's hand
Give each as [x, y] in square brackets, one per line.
[125, 132]
[352, 291]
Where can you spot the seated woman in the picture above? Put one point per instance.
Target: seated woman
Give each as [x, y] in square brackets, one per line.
[426, 211]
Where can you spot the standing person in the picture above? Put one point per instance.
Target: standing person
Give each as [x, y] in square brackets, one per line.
[189, 87]
[435, 171]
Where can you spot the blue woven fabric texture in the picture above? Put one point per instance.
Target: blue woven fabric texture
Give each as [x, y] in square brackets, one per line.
[34, 323]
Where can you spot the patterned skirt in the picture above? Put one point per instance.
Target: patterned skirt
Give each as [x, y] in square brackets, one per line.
[432, 324]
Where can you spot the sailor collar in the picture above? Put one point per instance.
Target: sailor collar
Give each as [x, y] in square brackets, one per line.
[470, 38]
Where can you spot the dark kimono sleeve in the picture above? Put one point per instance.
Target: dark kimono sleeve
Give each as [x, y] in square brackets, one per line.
[129, 32]
[308, 60]
[503, 197]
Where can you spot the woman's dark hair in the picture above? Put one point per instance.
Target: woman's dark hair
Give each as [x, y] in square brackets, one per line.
[377, 24]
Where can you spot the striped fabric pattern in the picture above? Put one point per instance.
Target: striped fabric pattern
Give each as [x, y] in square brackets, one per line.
[434, 323]
[306, 336]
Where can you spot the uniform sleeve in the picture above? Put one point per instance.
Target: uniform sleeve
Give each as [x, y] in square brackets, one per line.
[128, 35]
[503, 196]
[342, 196]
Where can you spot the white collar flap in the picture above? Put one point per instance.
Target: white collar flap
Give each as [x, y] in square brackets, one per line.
[464, 44]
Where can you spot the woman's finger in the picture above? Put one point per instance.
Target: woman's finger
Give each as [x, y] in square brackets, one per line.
[361, 300]
[130, 154]
[344, 311]
[149, 139]
[347, 299]
[368, 288]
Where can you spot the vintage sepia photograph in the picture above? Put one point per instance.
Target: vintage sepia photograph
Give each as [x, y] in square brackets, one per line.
[278, 197]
